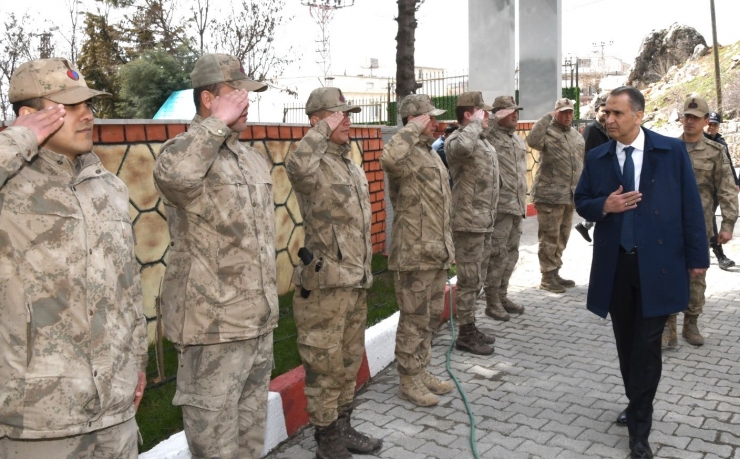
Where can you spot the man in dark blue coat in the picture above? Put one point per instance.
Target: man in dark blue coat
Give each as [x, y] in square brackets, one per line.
[640, 191]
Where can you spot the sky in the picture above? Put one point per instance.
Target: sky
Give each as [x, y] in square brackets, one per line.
[367, 30]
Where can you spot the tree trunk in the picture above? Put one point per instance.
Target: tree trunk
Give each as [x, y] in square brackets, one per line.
[405, 78]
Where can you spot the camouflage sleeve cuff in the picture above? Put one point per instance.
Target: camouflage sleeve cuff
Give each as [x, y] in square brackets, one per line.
[727, 226]
[476, 126]
[25, 139]
[216, 127]
[322, 127]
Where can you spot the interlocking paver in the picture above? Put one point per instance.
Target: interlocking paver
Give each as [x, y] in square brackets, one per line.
[553, 389]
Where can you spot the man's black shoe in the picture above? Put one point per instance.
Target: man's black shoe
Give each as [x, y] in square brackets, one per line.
[622, 418]
[725, 263]
[583, 231]
[640, 449]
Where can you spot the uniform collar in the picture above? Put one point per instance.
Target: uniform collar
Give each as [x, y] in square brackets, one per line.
[339, 150]
[63, 166]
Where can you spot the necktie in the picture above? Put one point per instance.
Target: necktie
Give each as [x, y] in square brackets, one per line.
[627, 239]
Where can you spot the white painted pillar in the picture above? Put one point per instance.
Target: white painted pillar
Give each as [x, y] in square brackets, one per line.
[492, 37]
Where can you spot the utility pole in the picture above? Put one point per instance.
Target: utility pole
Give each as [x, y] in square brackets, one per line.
[717, 76]
[322, 11]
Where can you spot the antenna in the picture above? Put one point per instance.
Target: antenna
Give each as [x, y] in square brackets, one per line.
[322, 12]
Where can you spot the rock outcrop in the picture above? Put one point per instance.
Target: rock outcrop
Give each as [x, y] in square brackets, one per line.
[661, 50]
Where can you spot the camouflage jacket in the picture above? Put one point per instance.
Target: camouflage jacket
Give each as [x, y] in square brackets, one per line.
[333, 196]
[419, 189]
[714, 178]
[73, 333]
[475, 175]
[219, 285]
[561, 161]
[512, 160]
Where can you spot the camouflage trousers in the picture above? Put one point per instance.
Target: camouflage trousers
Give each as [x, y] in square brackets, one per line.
[119, 441]
[420, 296]
[331, 343]
[472, 252]
[697, 287]
[507, 231]
[555, 222]
[222, 389]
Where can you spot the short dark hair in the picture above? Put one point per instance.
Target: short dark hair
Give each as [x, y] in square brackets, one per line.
[461, 111]
[212, 88]
[637, 100]
[405, 120]
[450, 129]
[37, 103]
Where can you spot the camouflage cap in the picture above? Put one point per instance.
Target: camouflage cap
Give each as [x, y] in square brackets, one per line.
[504, 106]
[222, 68]
[419, 104]
[695, 105]
[472, 99]
[564, 104]
[54, 79]
[330, 99]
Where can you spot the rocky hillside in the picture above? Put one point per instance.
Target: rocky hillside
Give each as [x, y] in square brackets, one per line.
[664, 98]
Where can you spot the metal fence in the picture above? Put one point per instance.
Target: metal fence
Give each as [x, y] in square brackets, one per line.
[441, 88]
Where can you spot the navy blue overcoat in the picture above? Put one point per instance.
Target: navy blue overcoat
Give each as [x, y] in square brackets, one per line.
[669, 224]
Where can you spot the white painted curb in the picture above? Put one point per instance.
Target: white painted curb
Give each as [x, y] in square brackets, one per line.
[380, 344]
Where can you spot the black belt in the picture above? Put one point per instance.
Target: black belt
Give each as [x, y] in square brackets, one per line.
[633, 251]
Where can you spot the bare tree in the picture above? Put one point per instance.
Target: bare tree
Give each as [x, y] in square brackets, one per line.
[405, 80]
[200, 10]
[248, 32]
[73, 9]
[16, 49]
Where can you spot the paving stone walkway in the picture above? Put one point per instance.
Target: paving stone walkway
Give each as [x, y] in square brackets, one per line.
[553, 390]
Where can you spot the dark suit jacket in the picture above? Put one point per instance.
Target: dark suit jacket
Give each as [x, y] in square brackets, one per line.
[669, 224]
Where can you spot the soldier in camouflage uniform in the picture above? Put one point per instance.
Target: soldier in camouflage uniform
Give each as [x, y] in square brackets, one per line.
[561, 160]
[511, 210]
[421, 248]
[219, 293]
[74, 341]
[330, 301]
[714, 178]
[475, 175]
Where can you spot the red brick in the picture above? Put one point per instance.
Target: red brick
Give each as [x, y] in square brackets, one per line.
[375, 218]
[111, 133]
[375, 166]
[377, 154]
[246, 134]
[285, 132]
[376, 186]
[155, 132]
[366, 166]
[273, 132]
[376, 228]
[96, 133]
[381, 215]
[175, 129]
[377, 207]
[374, 239]
[378, 248]
[259, 132]
[380, 176]
[135, 133]
[296, 132]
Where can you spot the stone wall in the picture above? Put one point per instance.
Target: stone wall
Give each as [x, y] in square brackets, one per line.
[128, 148]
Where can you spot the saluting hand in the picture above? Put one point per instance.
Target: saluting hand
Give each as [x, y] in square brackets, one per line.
[229, 107]
[43, 123]
[478, 114]
[619, 201]
[334, 120]
[421, 120]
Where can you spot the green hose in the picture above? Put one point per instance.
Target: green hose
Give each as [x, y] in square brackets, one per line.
[457, 382]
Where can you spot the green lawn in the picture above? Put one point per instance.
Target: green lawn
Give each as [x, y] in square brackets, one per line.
[158, 419]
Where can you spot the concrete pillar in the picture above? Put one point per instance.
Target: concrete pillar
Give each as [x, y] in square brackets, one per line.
[540, 56]
[491, 33]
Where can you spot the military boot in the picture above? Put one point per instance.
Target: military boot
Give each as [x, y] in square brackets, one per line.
[691, 330]
[434, 384]
[482, 337]
[354, 441]
[550, 284]
[328, 444]
[509, 305]
[494, 308]
[467, 340]
[413, 389]
[670, 337]
[567, 283]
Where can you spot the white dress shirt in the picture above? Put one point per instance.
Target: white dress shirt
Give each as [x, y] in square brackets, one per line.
[637, 154]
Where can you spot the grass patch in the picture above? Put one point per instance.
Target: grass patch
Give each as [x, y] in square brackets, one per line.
[158, 419]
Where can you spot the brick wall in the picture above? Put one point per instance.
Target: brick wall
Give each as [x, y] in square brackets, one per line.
[128, 148]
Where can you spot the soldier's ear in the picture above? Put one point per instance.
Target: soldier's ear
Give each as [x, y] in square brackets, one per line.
[26, 111]
[314, 119]
[206, 99]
